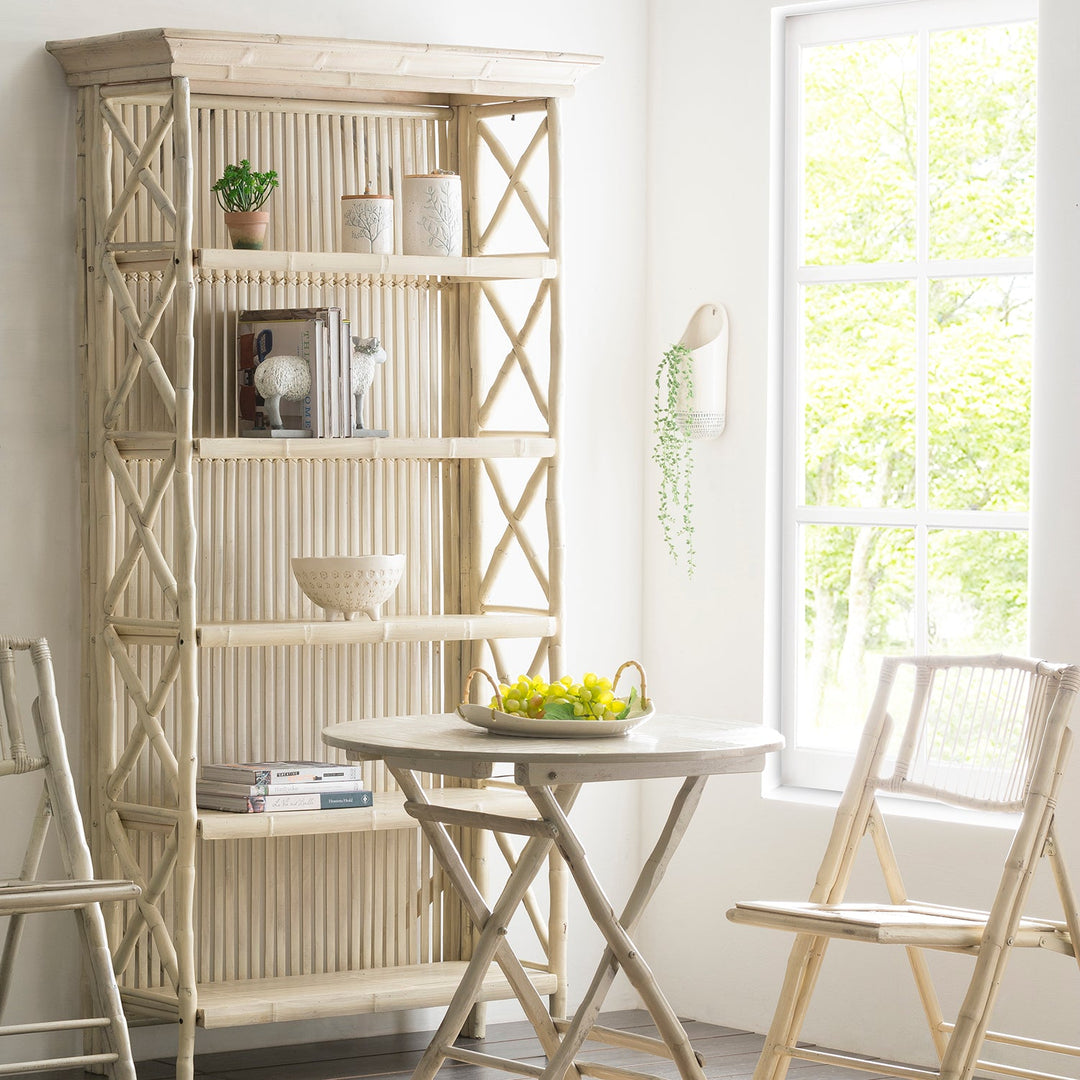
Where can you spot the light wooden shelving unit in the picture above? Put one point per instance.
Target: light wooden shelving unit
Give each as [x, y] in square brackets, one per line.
[199, 645]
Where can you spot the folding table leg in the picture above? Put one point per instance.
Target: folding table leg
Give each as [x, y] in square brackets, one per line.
[491, 943]
[621, 951]
[652, 872]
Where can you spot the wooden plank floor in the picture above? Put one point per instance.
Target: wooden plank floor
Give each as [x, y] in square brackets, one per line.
[729, 1054]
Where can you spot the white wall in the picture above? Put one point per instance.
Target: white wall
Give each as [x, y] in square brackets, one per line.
[39, 522]
[709, 240]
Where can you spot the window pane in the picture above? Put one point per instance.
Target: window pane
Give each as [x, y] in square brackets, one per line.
[982, 141]
[980, 348]
[977, 591]
[858, 605]
[859, 394]
[859, 103]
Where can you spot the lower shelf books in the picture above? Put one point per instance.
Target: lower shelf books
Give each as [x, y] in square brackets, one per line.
[290, 787]
[277, 772]
[310, 800]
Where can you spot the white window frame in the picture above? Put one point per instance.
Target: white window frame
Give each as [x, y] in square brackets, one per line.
[795, 28]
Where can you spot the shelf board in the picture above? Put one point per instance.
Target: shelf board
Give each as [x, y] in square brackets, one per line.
[434, 449]
[387, 813]
[343, 993]
[344, 263]
[523, 445]
[344, 632]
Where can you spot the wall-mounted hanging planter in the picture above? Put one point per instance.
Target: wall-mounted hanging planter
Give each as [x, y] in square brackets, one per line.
[703, 405]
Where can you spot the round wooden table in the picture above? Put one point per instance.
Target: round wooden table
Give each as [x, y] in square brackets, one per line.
[551, 772]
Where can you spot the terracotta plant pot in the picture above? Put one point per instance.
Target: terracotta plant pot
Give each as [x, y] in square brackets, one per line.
[247, 228]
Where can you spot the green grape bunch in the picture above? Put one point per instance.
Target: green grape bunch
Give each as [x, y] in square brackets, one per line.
[591, 699]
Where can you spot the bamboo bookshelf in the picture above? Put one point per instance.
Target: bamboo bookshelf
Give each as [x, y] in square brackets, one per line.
[198, 644]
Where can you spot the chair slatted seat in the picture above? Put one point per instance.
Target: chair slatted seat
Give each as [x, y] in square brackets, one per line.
[79, 892]
[987, 733]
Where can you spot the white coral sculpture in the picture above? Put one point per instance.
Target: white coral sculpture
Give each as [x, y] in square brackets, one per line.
[278, 377]
[366, 353]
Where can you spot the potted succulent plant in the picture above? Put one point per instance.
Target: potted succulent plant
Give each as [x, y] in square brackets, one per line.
[240, 193]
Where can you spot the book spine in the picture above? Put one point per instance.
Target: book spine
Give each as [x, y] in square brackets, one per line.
[309, 776]
[341, 372]
[327, 800]
[352, 423]
[312, 412]
[304, 773]
[333, 375]
[220, 787]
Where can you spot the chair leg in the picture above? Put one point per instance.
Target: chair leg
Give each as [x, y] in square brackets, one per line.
[803, 967]
[31, 861]
[104, 991]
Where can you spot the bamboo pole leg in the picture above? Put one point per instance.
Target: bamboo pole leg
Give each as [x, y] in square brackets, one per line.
[682, 810]
[803, 964]
[1028, 845]
[107, 993]
[31, 862]
[623, 947]
[184, 528]
[476, 1024]
[920, 970]
[830, 885]
[492, 943]
[76, 858]
[558, 921]
[1064, 887]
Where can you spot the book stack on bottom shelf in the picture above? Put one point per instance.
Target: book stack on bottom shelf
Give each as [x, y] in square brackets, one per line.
[257, 787]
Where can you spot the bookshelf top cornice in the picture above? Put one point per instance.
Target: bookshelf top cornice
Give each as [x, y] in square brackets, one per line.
[276, 65]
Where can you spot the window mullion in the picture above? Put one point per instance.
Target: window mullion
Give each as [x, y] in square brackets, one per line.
[794, 479]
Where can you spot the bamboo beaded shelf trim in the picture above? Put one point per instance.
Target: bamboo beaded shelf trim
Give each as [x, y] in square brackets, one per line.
[300, 632]
[336, 266]
[523, 445]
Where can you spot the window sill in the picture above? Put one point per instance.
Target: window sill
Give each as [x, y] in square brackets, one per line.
[897, 806]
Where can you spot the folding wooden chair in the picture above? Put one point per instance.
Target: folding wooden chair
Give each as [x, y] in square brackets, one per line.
[982, 732]
[78, 892]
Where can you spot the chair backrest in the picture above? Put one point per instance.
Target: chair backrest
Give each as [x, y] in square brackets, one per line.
[58, 800]
[14, 755]
[977, 727]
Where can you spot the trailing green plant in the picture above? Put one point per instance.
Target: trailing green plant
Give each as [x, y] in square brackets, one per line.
[672, 452]
[241, 190]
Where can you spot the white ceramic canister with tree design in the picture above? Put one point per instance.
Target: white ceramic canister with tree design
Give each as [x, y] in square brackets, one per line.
[367, 223]
[431, 214]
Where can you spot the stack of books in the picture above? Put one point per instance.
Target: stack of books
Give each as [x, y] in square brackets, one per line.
[256, 787]
[323, 338]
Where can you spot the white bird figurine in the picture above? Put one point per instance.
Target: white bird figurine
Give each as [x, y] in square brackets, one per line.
[366, 353]
[278, 377]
